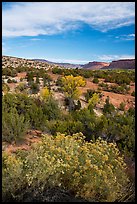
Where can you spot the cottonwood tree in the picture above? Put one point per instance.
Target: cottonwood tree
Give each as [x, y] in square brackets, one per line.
[70, 86]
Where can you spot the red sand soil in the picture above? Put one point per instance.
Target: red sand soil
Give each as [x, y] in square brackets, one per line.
[115, 98]
[32, 136]
[21, 75]
[53, 76]
[12, 86]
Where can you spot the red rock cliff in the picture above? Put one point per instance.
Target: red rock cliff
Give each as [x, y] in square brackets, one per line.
[122, 64]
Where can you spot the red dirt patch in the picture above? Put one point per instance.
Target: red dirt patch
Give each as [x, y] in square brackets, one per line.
[32, 136]
[54, 76]
[21, 75]
[12, 86]
[89, 85]
[115, 98]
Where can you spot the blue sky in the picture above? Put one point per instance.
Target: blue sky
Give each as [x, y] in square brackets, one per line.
[74, 32]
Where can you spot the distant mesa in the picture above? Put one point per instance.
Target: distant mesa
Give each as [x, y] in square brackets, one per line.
[121, 64]
[95, 65]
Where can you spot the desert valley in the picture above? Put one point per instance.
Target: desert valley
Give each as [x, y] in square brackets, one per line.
[68, 102]
[103, 93]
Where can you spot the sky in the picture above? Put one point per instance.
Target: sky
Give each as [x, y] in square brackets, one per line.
[74, 32]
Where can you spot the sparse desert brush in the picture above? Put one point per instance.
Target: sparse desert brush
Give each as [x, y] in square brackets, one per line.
[94, 171]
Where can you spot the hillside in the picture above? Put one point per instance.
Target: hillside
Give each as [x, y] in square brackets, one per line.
[9, 61]
[66, 65]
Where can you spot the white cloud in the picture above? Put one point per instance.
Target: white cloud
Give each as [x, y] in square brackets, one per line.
[132, 35]
[115, 57]
[35, 39]
[126, 37]
[46, 18]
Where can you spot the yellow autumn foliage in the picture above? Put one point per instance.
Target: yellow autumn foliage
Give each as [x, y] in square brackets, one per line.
[71, 84]
[45, 93]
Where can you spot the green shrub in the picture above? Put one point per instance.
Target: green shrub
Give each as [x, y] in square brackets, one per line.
[133, 93]
[5, 87]
[89, 94]
[108, 107]
[34, 87]
[9, 81]
[65, 126]
[36, 117]
[59, 82]
[21, 79]
[51, 109]
[14, 126]
[122, 106]
[121, 129]
[35, 110]
[104, 85]
[78, 105]
[21, 87]
[95, 80]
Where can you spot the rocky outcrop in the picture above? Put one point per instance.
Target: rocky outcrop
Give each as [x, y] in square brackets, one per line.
[122, 64]
[95, 65]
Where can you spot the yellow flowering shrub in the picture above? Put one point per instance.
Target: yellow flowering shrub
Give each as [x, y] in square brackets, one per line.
[12, 174]
[94, 171]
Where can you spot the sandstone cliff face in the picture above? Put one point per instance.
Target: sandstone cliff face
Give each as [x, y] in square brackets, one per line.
[122, 64]
[95, 65]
